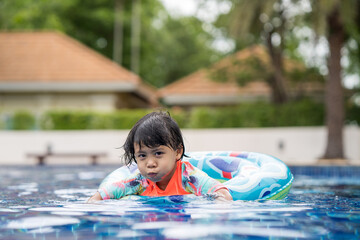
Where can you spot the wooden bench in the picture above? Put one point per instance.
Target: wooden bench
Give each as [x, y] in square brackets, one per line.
[41, 157]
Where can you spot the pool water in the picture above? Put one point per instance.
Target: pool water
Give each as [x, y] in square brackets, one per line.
[49, 203]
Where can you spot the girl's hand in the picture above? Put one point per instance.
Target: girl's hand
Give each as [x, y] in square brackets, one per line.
[223, 195]
[96, 197]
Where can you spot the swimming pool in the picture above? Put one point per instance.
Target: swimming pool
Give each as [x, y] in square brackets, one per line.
[48, 203]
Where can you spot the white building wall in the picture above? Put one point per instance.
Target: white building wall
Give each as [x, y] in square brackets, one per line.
[41, 102]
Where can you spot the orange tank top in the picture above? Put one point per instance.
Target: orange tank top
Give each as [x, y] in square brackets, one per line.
[174, 186]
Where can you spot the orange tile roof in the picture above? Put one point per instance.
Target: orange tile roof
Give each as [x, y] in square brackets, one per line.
[52, 57]
[200, 83]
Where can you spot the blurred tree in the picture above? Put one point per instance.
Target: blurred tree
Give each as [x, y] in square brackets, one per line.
[169, 48]
[335, 19]
[353, 45]
[253, 64]
[135, 35]
[184, 47]
[252, 21]
[118, 31]
[272, 22]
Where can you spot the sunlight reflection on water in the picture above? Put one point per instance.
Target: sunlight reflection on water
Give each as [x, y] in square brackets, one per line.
[50, 204]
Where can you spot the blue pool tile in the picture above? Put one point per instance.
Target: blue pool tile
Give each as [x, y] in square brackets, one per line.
[327, 171]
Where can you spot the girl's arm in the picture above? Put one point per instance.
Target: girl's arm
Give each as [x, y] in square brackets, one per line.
[94, 198]
[199, 183]
[110, 189]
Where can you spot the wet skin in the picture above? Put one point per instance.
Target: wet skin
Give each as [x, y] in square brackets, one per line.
[158, 164]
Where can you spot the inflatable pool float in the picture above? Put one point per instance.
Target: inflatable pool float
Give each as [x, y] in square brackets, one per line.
[247, 175]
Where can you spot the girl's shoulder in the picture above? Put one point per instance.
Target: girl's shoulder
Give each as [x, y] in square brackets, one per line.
[190, 170]
[186, 166]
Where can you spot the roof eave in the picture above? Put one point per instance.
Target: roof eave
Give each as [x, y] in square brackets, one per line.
[67, 87]
[209, 99]
[148, 92]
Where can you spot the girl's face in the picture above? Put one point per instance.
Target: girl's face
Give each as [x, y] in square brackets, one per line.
[157, 164]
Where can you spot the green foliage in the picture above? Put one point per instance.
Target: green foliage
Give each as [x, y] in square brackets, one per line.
[245, 115]
[3, 118]
[303, 113]
[251, 68]
[349, 11]
[352, 114]
[310, 74]
[241, 71]
[66, 120]
[180, 116]
[218, 75]
[202, 117]
[23, 120]
[69, 120]
[170, 47]
[180, 47]
[125, 119]
[261, 114]
[254, 68]
[353, 47]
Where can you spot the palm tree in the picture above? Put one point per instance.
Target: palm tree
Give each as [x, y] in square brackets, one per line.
[332, 18]
[264, 20]
[118, 31]
[135, 35]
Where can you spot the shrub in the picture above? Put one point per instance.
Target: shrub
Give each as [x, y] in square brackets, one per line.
[202, 117]
[302, 113]
[125, 119]
[2, 121]
[259, 114]
[245, 115]
[71, 120]
[23, 120]
[352, 114]
[66, 120]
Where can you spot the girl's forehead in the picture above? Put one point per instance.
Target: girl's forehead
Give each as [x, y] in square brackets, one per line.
[143, 147]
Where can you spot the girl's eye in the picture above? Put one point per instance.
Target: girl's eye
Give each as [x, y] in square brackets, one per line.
[140, 156]
[159, 153]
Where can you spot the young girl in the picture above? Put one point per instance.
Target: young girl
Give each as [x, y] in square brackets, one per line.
[155, 143]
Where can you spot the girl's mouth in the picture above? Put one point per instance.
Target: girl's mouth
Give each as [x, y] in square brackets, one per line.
[152, 175]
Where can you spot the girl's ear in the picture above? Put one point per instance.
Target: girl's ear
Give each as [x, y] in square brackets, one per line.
[179, 153]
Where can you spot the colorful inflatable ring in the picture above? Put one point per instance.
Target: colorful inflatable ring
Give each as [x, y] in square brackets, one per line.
[247, 175]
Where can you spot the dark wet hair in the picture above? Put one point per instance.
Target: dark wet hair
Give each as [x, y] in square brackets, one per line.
[153, 130]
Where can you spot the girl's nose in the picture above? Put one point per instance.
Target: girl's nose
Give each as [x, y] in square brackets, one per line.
[151, 163]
